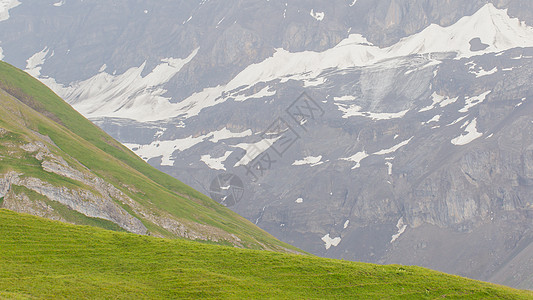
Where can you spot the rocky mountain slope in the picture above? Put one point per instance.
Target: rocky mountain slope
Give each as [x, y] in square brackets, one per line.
[387, 131]
[56, 164]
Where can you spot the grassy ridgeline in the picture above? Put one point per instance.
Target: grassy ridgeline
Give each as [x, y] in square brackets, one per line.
[28, 108]
[45, 259]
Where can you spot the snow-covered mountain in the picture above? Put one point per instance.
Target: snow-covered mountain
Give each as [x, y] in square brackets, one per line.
[387, 131]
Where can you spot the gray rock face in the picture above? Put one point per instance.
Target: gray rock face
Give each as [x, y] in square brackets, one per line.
[91, 196]
[423, 156]
[83, 202]
[93, 205]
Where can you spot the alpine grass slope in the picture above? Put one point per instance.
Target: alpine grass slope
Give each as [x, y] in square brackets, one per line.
[86, 262]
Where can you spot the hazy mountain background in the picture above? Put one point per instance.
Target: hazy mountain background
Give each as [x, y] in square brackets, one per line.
[412, 143]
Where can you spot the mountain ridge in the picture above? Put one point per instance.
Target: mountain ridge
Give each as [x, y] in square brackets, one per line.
[105, 95]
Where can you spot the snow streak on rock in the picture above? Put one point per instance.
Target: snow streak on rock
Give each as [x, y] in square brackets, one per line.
[5, 6]
[330, 241]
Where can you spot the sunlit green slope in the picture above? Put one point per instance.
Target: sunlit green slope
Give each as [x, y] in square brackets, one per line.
[40, 258]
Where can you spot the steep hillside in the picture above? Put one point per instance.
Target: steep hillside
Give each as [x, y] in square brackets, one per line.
[79, 261]
[55, 163]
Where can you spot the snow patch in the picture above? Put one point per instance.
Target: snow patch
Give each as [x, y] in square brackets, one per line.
[520, 57]
[165, 149]
[319, 16]
[330, 242]
[309, 160]
[225, 133]
[482, 72]
[389, 167]
[473, 101]
[438, 99]
[448, 101]
[60, 3]
[401, 229]
[299, 200]
[34, 63]
[355, 111]
[434, 119]
[393, 148]
[516, 105]
[128, 95]
[357, 158]
[253, 150]
[5, 6]
[457, 121]
[344, 98]
[471, 134]
[346, 224]
[216, 163]
[491, 25]
[159, 133]
[262, 93]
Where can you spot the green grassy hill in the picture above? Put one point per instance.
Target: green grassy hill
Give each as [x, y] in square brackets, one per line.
[56, 164]
[40, 258]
